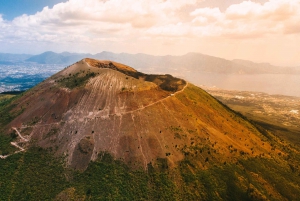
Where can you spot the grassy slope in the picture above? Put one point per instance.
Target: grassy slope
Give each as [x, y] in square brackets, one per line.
[269, 123]
[255, 110]
[26, 176]
[6, 105]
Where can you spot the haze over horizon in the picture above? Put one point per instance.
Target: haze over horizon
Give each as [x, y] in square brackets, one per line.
[257, 30]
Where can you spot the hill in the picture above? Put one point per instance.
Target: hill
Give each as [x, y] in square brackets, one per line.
[56, 58]
[191, 62]
[265, 67]
[103, 130]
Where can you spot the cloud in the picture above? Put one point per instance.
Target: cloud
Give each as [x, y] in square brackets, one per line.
[110, 11]
[249, 19]
[85, 18]
[131, 25]
[2, 22]
[160, 17]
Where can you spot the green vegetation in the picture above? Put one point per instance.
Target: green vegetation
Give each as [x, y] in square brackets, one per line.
[8, 109]
[37, 175]
[34, 175]
[5, 146]
[5, 97]
[76, 80]
[284, 132]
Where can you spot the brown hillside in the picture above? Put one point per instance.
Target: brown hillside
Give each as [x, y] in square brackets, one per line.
[94, 107]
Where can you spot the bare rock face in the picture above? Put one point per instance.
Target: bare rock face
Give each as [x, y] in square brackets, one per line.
[94, 107]
[82, 152]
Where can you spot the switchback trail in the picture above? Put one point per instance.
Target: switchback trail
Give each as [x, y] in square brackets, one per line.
[19, 134]
[15, 144]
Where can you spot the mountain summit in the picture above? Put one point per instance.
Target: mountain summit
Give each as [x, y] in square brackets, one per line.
[151, 123]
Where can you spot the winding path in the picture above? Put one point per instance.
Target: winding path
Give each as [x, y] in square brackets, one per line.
[19, 134]
[15, 144]
[143, 107]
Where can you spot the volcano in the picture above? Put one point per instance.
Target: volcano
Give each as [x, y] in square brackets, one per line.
[148, 122]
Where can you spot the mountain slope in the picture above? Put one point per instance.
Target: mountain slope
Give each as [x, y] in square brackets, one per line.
[265, 67]
[134, 114]
[170, 137]
[47, 57]
[56, 58]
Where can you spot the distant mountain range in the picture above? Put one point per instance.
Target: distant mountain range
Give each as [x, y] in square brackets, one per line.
[178, 65]
[7, 57]
[57, 58]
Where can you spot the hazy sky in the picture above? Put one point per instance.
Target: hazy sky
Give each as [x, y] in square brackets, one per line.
[257, 30]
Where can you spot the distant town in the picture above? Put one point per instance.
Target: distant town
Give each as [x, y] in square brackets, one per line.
[22, 76]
